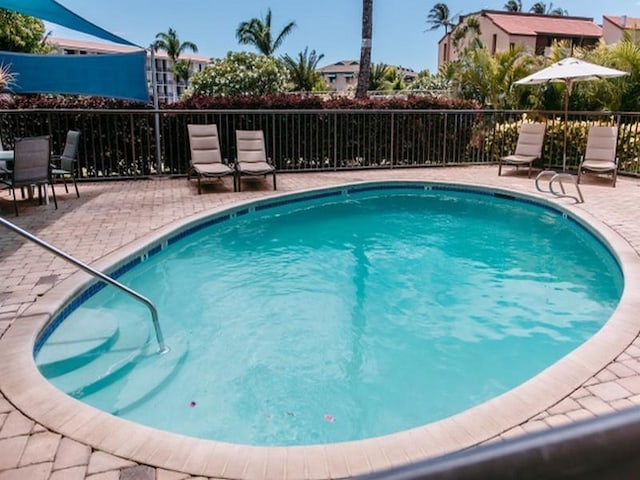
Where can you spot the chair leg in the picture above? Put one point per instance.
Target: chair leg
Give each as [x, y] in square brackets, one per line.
[15, 203]
[76, 186]
[53, 193]
[499, 168]
[274, 180]
[239, 182]
[529, 174]
[64, 181]
[615, 176]
[199, 188]
[579, 175]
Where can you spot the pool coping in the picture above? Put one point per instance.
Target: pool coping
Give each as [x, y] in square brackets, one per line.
[24, 386]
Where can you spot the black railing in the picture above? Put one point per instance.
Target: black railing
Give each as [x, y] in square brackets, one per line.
[603, 448]
[122, 143]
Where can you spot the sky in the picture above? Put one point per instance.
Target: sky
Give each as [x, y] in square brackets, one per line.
[330, 27]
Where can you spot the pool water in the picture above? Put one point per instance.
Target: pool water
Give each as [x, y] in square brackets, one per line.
[365, 314]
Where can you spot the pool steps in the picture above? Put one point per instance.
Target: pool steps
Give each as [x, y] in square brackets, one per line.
[82, 359]
[70, 345]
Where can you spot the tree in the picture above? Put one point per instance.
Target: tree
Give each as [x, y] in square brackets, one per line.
[365, 49]
[488, 79]
[240, 73]
[170, 43]
[182, 70]
[439, 16]
[303, 71]
[467, 34]
[379, 78]
[257, 32]
[21, 33]
[513, 6]
[542, 9]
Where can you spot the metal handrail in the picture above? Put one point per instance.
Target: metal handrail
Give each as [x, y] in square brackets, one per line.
[559, 177]
[162, 348]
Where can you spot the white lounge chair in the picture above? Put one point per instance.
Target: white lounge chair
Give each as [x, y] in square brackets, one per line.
[206, 160]
[528, 148]
[600, 155]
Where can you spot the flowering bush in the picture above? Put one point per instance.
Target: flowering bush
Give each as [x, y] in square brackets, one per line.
[240, 73]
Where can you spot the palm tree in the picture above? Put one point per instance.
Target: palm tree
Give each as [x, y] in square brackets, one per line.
[365, 50]
[303, 70]
[439, 17]
[542, 9]
[182, 71]
[170, 43]
[257, 32]
[487, 78]
[379, 78]
[513, 6]
[467, 34]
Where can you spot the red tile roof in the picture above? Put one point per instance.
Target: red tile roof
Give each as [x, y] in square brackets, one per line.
[630, 22]
[531, 24]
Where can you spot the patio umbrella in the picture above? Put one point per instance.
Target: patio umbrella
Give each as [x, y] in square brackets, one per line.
[568, 71]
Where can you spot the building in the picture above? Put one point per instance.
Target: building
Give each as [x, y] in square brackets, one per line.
[613, 28]
[167, 89]
[343, 75]
[501, 30]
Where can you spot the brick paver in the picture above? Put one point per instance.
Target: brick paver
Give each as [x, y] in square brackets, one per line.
[109, 215]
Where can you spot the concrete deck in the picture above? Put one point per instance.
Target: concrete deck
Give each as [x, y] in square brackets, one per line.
[113, 215]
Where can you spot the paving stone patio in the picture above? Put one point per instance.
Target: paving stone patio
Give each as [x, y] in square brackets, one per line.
[110, 215]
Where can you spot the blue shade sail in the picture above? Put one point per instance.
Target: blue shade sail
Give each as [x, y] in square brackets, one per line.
[52, 11]
[119, 75]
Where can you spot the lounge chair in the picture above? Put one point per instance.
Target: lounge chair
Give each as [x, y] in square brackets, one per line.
[65, 165]
[528, 148]
[31, 166]
[206, 160]
[600, 155]
[252, 157]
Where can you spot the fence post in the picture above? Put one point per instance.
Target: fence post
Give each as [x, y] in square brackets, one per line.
[133, 145]
[391, 153]
[154, 83]
[444, 140]
[335, 141]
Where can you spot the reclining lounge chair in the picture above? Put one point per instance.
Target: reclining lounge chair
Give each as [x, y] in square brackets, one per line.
[206, 160]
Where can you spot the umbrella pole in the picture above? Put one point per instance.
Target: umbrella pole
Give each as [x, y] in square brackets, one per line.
[567, 92]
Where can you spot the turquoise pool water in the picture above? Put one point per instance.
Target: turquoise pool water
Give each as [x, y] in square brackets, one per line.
[361, 315]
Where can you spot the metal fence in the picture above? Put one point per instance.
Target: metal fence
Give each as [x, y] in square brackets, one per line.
[122, 143]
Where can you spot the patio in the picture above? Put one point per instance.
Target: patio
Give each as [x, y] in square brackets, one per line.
[110, 215]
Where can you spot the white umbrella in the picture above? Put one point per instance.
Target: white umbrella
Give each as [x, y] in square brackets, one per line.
[568, 71]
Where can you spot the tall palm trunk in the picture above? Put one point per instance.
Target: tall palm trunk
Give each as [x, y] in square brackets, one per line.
[365, 51]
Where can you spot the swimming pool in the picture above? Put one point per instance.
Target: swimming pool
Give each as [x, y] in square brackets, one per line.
[430, 278]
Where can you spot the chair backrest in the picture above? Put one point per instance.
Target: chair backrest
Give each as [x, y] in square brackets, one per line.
[531, 140]
[32, 156]
[204, 144]
[70, 152]
[250, 146]
[602, 143]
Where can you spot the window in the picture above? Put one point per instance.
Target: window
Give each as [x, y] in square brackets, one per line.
[494, 43]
